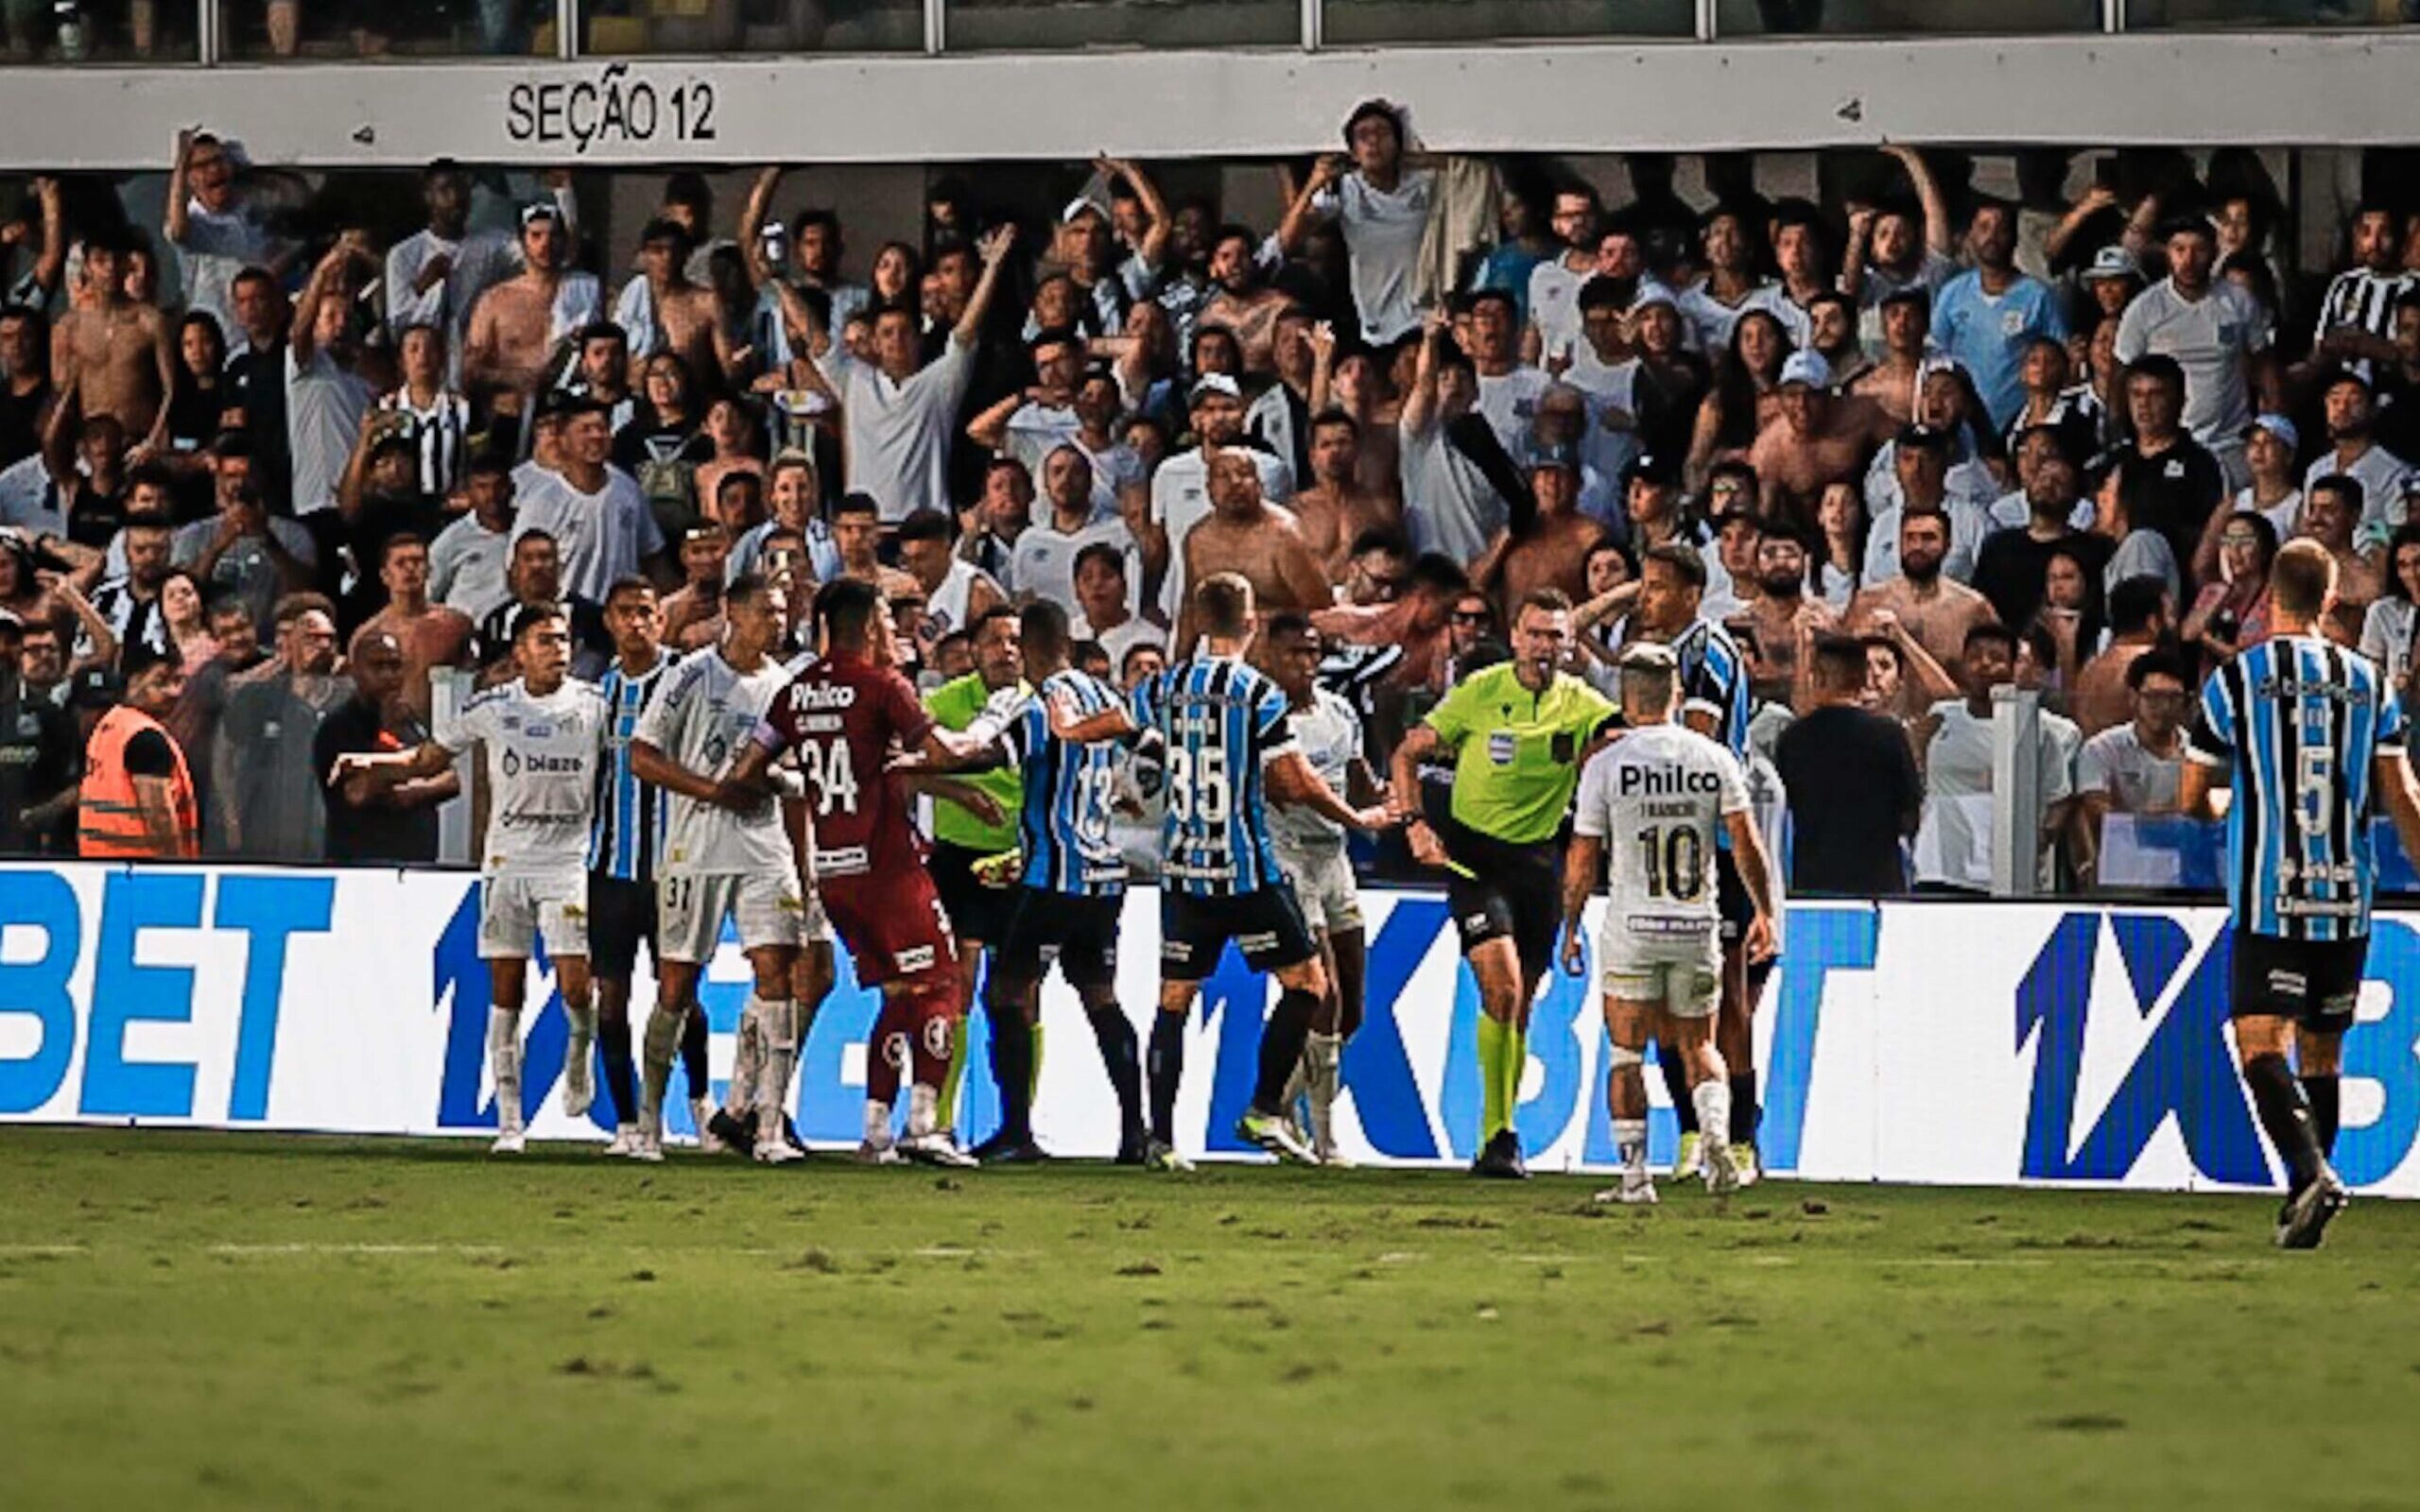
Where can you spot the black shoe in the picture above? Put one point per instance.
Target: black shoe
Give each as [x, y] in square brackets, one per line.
[1501, 1159]
[1132, 1147]
[1023, 1152]
[740, 1137]
[2307, 1214]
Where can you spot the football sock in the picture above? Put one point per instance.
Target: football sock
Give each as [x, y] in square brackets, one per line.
[932, 1039]
[886, 1052]
[1676, 1085]
[2325, 1109]
[504, 1059]
[621, 1070]
[747, 1061]
[693, 1049]
[924, 1100]
[1120, 1058]
[773, 1079]
[580, 1054]
[2286, 1116]
[1517, 1062]
[1281, 1047]
[956, 1072]
[1630, 1142]
[655, 1066]
[1744, 1111]
[1324, 1064]
[1716, 1111]
[1493, 1048]
[877, 1130]
[1012, 1072]
[1167, 1070]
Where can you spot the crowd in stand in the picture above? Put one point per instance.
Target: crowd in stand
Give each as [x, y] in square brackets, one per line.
[1936, 439]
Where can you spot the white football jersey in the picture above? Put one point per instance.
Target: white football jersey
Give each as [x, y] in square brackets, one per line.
[1328, 735]
[701, 719]
[1657, 797]
[543, 759]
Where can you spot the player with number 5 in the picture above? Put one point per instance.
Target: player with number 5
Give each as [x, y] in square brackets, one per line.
[1230, 747]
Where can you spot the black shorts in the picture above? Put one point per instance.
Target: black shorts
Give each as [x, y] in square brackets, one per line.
[2314, 981]
[620, 914]
[1079, 933]
[1731, 897]
[975, 912]
[1510, 892]
[1266, 925]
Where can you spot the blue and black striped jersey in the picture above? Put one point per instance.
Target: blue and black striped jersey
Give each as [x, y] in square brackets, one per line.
[1065, 825]
[1222, 720]
[628, 834]
[1713, 679]
[2300, 721]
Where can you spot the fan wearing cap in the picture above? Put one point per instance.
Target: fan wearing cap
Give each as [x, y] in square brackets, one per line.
[1517, 734]
[1550, 548]
[1181, 488]
[517, 325]
[2113, 279]
[1815, 439]
[2217, 335]
[663, 311]
[2270, 446]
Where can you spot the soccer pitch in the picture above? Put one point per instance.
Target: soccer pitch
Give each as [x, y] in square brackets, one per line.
[197, 1320]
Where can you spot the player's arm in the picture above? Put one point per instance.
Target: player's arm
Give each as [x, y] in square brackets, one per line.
[751, 773]
[2391, 771]
[369, 773]
[1114, 723]
[1292, 780]
[1419, 743]
[1756, 875]
[1581, 865]
[952, 790]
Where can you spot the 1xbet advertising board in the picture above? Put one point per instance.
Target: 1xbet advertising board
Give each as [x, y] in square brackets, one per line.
[1963, 1043]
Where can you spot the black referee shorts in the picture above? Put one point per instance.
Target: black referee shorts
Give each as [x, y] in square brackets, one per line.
[1498, 890]
[975, 912]
[2315, 983]
[621, 914]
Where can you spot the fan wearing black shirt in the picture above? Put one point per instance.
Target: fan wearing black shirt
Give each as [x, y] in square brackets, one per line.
[367, 822]
[24, 381]
[2013, 569]
[535, 575]
[2171, 482]
[41, 757]
[1853, 786]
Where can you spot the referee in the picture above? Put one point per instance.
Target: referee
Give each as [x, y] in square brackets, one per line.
[1518, 732]
[978, 913]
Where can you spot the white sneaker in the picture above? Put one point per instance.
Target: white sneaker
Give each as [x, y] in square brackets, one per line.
[937, 1148]
[511, 1142]
[625, 1141]
[870, 1153]
[1721, 1170]
[580, 1079]
[1637, 1190]
[777, 1151]
[701, 1114]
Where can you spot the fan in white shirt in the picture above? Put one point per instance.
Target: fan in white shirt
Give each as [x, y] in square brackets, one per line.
[900, 420]
[1383, 209]
[1042, 564]
[595, 511]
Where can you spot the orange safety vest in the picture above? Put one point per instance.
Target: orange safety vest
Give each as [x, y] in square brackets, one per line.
[109, 816]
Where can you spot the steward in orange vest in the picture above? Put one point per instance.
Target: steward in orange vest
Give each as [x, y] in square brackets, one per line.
[137, 801]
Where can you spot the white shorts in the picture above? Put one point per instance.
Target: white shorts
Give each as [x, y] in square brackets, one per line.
[1323, 885]
[517, 909]
[1684, 976]
[690, 911]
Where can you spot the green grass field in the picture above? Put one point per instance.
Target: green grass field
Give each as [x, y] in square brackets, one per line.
[208, 1321]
